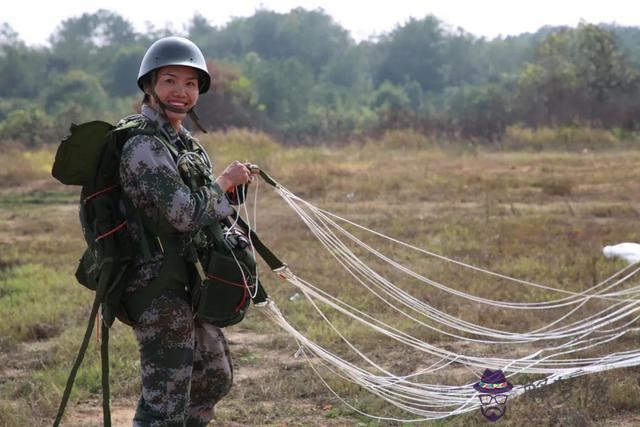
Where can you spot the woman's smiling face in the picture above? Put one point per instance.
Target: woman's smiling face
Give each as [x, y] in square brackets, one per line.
[177, 86]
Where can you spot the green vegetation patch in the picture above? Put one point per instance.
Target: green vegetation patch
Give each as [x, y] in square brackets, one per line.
[38, 303]
[40, 198]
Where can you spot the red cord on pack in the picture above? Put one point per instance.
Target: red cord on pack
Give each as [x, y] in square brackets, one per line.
[238, 285]
[243, 300]
[220, 279]
[97, 193]
[113, 230]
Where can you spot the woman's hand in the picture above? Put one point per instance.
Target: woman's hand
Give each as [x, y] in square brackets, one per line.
[236, 174]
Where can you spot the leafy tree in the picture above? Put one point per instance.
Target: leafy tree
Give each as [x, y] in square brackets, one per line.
[414, 93]
[600, 65]
[101, 28]
[611, 81]
[283, 88]
[22, 70]
[8, 36]
[77, 42]
[30, 125]
[122, 70]
[310, 36]
[349, 68]
[75, 87]
[478, 111]
[505, 56]
[301, 75]
[576, 76]
[393, 106]
[629, 38]
[390, 96]
[231, 100]
[460, 62]
[414, 51]
[549, 87]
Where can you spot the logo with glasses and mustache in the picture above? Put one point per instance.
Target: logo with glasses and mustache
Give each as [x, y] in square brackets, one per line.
[493, 388]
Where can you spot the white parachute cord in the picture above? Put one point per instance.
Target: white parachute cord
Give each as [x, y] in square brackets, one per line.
[233, 224]
[255, 204]
[425, 416]
[596, 342]
[504, 304]
[439, 390]
[253, 226]
[387, 330]
[355, 374]
[256, 282]
[573, 310]
[287, 194]
[312, 227]
[319, 212]
[428, 281]
[413, 342]
[333, 252]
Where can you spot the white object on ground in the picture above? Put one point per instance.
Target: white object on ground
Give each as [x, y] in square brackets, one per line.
[630, 252]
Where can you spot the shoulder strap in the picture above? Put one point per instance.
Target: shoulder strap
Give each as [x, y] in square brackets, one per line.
[106, 413]
[130, 127]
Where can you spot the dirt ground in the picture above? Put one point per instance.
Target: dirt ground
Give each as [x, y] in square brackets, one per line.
[89, 413]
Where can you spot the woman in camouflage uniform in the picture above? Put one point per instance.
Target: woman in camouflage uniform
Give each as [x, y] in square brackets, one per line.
[185, 364]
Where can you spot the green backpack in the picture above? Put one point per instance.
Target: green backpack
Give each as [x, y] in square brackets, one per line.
[90, 157]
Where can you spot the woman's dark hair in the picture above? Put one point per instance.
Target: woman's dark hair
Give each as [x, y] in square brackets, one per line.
[146, 80]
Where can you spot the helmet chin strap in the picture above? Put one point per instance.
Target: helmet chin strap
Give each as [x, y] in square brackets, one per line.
[196, 120]
[166, 107]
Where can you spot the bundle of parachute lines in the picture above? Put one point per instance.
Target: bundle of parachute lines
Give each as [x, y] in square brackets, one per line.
[574, 331]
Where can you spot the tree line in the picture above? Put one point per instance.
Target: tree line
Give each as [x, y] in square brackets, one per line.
[302, 77]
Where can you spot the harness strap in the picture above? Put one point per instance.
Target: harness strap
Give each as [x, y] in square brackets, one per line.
[269, 257]
[104, 358]
[268, 179]
[78, 362]
[102, 286]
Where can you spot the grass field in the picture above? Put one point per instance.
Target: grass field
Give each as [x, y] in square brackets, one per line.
[539, 215]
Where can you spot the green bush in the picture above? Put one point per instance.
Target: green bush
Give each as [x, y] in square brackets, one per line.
[32, 126]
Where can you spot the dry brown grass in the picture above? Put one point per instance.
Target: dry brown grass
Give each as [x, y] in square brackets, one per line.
[543, 217]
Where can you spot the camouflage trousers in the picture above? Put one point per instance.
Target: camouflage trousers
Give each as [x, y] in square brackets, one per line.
[185, 365]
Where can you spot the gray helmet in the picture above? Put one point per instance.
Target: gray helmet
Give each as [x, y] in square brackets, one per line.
[174, 51]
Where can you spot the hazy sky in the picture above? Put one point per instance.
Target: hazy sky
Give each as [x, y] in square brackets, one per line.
[36, 20]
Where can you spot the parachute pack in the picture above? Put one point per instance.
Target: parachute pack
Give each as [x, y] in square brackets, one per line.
[90, 157]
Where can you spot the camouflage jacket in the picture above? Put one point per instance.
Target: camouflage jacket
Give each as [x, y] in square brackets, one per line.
[150, 178]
